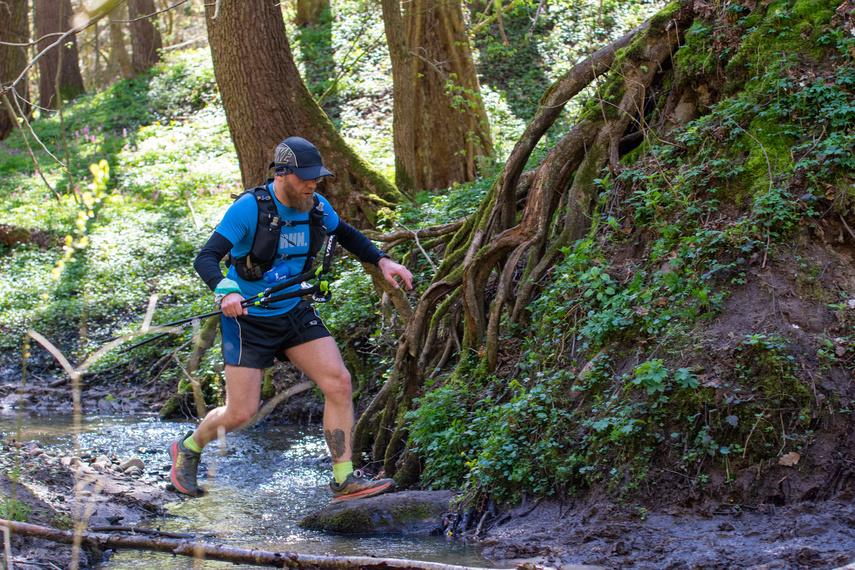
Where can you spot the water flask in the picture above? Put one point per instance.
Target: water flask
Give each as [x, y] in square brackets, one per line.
[277, 273]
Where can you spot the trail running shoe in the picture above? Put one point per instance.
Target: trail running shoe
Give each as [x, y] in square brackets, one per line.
[185, 463]
[359, 486]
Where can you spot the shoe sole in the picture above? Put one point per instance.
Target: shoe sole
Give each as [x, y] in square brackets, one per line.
[173, 453]
[365, 493]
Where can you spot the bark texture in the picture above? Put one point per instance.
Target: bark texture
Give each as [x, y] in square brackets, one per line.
[266, 101]
[14, 29]
[120, 59]
[59, 67]
[402, 95]
[441, 126]
[146, 41]
[309, 11]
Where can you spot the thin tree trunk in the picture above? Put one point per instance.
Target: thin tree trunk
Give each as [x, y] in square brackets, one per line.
[14, 29]
[118, 49]
[266, 101]
[402, 96]
[146, 41]
[309, 11]
[54, 17]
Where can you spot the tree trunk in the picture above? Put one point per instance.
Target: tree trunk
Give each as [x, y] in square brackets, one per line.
[14, 29]
[402, 95]
[309, 12]
[59, 68]
[266, 101]
[450, 128]
[120, 59]
[314, 36]
[146, 42]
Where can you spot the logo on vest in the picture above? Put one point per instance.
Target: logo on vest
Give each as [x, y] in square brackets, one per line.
[296, 239]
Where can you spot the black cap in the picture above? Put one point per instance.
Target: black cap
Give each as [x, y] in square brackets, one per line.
[300, 157]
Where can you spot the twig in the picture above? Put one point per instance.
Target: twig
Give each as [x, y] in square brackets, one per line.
[768, 163]
[32, 132]
[275, 401]
[26, 562]
[198, 397]
[745, 447]
[419, 245]
[14, 117]
[396, 237]
[177, 4]
[7, 545]
[536, 18]
[845, 225]
[766, 251]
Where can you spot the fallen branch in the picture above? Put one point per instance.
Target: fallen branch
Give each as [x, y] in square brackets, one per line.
[138, 530]
[208, 551]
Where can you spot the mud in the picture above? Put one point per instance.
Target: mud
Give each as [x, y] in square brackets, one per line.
[606, 535]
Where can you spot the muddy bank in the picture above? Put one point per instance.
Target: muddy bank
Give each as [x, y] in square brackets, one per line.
[815, 535]
[57, 490]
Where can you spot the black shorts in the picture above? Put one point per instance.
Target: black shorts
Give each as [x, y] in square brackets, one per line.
[253, 342]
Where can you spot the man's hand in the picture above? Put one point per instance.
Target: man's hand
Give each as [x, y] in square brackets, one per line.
[391, 270]
[231, 305]
[230, 298]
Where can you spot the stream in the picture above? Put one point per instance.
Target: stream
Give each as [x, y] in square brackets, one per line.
[261, 482]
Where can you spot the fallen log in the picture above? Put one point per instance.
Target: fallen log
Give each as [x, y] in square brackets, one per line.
[209, 551]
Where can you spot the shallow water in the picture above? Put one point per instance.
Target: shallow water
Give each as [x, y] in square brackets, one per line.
[261, 482]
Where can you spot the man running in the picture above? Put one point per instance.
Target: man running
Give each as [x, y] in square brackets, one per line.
[275, 233]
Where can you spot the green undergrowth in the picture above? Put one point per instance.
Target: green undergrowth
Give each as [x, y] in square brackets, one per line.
[624, 371]
[111, 247]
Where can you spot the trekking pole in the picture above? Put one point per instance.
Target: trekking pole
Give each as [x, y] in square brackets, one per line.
[264, 298]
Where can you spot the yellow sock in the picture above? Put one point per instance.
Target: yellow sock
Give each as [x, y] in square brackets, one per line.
[191, 444]
[340, 471]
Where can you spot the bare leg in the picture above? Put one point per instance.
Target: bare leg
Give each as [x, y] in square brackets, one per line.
[321, 361]
[243, 395]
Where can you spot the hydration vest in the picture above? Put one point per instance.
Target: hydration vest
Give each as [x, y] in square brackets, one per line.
[265, 244]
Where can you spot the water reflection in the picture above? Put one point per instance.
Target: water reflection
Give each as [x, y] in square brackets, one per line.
[261, 482]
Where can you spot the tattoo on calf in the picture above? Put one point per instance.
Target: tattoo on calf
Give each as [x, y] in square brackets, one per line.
[336, 443]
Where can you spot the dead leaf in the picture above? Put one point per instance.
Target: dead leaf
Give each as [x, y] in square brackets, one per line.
[790, 459]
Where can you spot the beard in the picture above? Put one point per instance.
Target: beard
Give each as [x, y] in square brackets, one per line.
[297, 200]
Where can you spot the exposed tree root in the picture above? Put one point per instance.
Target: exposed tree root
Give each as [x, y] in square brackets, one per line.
[493, 263]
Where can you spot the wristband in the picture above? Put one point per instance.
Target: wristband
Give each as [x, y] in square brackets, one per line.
[381, 255]
[225, 287]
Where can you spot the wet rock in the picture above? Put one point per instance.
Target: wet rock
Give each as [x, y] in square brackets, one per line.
[132, 462]
[407, 512]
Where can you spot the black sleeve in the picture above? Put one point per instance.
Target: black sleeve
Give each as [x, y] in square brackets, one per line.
[356, 243]
[207, 263]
